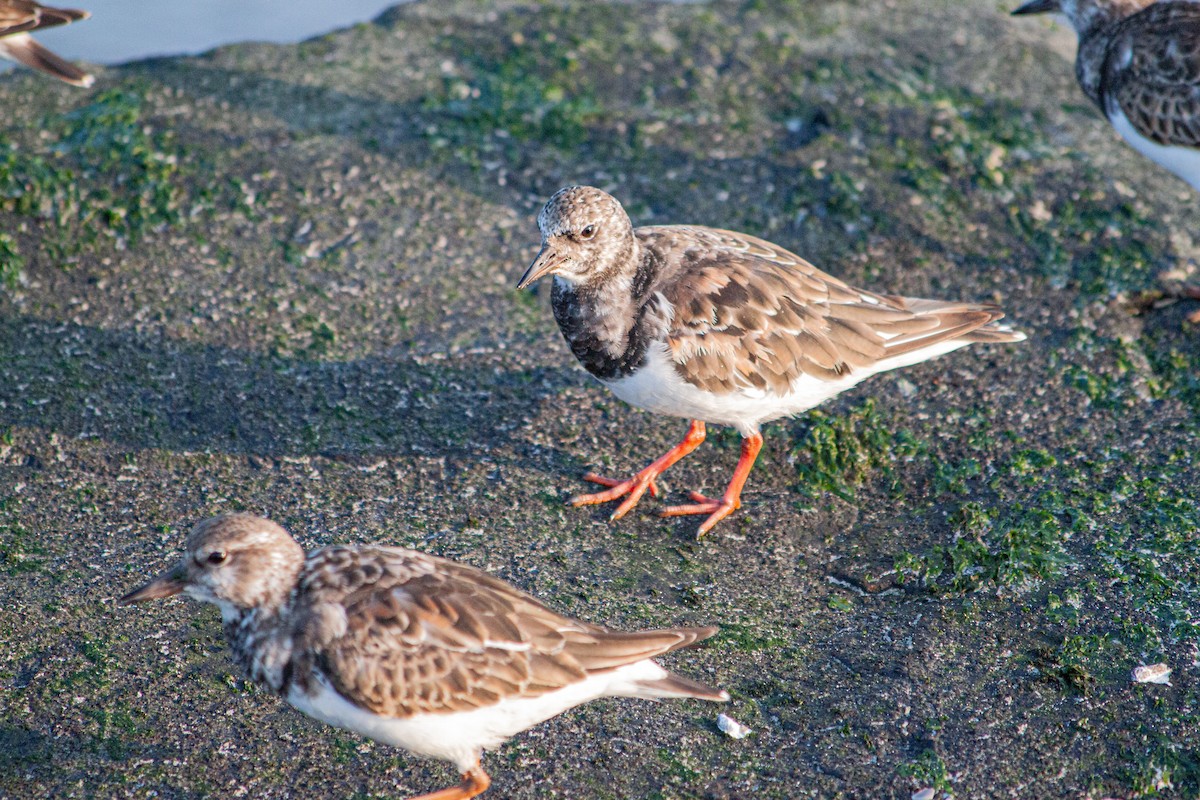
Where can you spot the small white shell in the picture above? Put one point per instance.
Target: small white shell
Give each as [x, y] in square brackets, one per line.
[925, 794]
[732, 728]
[1153, 673]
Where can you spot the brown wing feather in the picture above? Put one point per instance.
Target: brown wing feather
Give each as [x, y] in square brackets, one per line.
[22, 16]
[749, 314]
[18, 18]
[402, 633]
[26, 50]
[1152, 73]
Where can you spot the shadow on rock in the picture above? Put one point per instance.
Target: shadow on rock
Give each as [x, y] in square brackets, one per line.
[148, 391]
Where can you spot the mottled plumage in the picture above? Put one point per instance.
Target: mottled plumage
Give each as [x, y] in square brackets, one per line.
[406, 648]
[1152, 73]
[1139, 62]
[18, 18]
[723, 327]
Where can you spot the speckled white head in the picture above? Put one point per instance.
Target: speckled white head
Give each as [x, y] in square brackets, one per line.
[585, 233]
[237, 561]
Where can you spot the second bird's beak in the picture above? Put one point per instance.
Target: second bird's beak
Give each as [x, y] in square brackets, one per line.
[545, 263]
[1037, 7]
[167, 584]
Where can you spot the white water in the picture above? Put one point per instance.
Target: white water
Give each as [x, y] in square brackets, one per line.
[124, 30]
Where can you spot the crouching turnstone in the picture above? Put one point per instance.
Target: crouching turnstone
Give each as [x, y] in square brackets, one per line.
[721, 327]
[18, 18]
[1139, 61]
[408, 649]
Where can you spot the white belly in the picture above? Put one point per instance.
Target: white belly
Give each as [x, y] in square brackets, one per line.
[657, 387]
[461, 737]
[1183, 161]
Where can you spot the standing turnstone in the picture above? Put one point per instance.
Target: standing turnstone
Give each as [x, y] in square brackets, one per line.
[721, 327]
[408, 649]
[18, 18]
[1139, 61]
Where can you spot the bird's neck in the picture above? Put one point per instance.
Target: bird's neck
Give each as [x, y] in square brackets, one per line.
[1090, 18]
[603, 320]
[1094, 21]
[1096, 24]
[1089, 63]
[261, 645]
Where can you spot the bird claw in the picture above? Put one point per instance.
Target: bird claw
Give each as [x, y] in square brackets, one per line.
[635, 487]
[716, 509]
[603, 481]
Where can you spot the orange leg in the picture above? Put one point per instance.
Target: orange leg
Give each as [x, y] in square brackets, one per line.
[636, 486]
[474, 783]
[731, 500]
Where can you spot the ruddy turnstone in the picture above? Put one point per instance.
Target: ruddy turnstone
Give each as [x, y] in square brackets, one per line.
[722, 327]
[408, 649]
[1139, 62]
[18, 18]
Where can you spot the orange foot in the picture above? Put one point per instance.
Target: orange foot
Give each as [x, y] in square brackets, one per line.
[716, 509]
[474, 783]
[633, 489]
[731, 500]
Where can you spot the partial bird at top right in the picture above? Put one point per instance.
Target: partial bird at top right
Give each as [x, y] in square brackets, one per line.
[1139, 61]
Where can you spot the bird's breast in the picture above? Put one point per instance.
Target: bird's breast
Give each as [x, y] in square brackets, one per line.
[262, 653]
[610, 340]
[1181, 160]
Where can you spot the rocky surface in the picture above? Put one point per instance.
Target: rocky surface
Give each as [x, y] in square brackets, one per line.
[280, 279]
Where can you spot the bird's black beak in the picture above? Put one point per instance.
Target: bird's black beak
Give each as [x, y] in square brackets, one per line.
[545, 263]
[168, 584]
[1037, 7]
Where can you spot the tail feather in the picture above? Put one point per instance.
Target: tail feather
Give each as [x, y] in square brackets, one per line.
[49, 17]
[672, 685]
[994, 334]
[678, 686]
[24, 49]
[46, 17]
[613, 649]
[35, 17]
[967, 322]
[626, 656]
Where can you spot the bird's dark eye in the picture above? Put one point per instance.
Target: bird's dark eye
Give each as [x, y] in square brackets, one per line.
[588, 232]
[216, 557]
